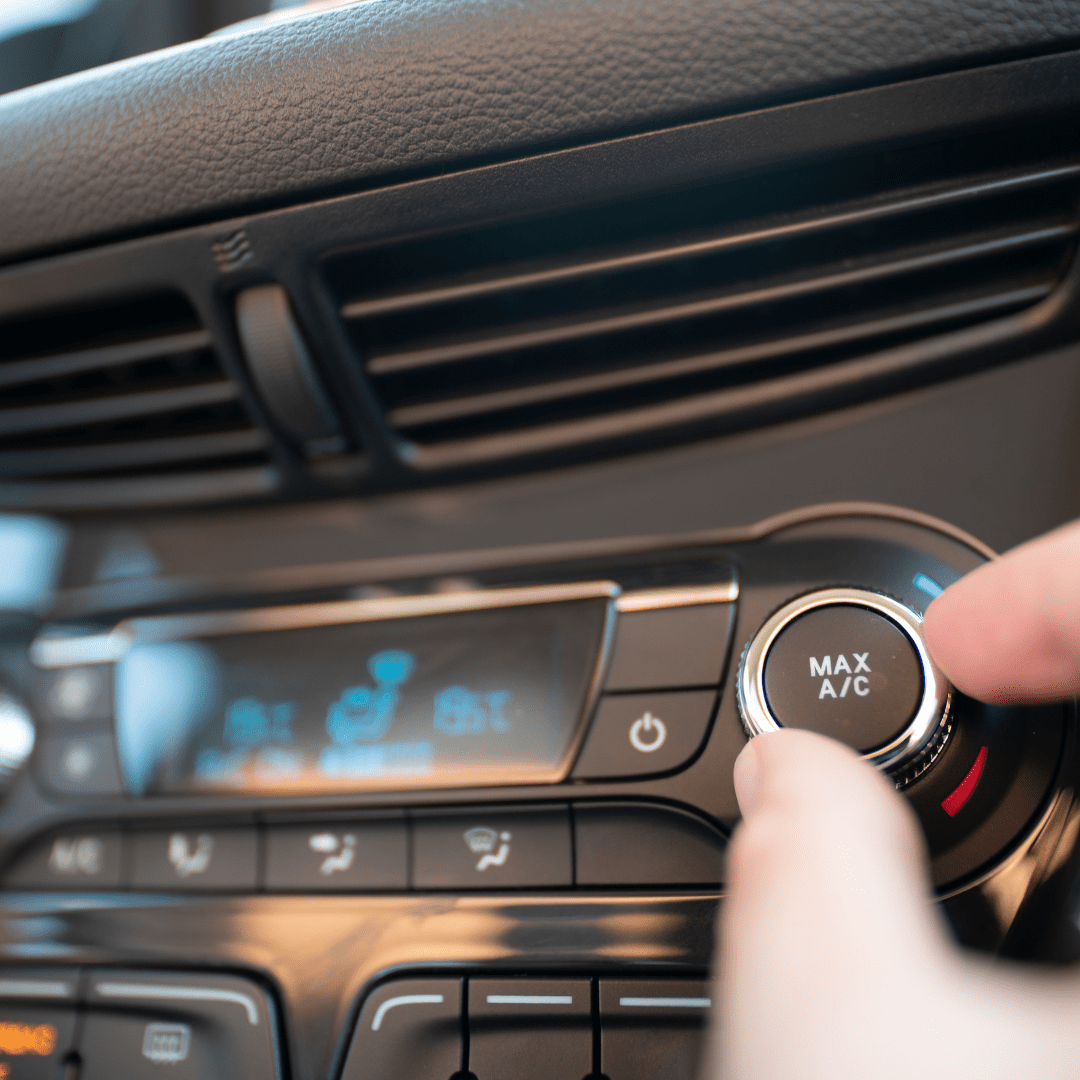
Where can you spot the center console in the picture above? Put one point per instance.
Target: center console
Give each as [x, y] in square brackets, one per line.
[430, 823]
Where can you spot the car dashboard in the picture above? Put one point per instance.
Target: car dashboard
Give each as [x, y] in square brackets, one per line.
[433, 436]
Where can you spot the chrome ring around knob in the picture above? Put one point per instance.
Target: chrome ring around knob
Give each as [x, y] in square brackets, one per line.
[922, 733]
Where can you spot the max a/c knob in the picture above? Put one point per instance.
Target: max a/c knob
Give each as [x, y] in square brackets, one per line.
[850, 664]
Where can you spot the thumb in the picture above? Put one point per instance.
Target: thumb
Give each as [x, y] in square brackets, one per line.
[828, 915]
[834, 961]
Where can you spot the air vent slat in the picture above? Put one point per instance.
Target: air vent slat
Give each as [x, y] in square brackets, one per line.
[135, 455]
[165, 491]
[756, 397]
[51, 417]
[411, 301]
[50, 367]
[104, 401]
[713, 305]
[416, 415]
[710, 309]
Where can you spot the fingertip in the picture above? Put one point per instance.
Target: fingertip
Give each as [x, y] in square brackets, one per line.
[1008, 632]
[815, 783]
[747, 778]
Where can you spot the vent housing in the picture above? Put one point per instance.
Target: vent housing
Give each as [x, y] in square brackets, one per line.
[123, 400]
[714, 309]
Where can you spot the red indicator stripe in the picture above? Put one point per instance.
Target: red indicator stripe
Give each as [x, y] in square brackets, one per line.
[955, 802]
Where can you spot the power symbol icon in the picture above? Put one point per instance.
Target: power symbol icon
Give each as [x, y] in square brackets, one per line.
[648, 733]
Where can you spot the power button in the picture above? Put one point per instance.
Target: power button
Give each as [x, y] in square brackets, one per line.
[642, 734]
[648, 733]
[850, 664]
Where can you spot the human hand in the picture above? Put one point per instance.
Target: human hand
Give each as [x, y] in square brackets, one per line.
[833, 959]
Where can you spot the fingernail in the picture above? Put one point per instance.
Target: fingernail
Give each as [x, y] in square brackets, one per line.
[747, 777]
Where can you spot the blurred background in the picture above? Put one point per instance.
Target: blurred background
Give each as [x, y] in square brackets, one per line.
[43, 39]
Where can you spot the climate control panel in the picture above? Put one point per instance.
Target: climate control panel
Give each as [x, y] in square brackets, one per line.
[508, 790]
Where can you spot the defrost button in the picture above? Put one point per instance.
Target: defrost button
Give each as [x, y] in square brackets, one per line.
[182, 1027]
[492, 848]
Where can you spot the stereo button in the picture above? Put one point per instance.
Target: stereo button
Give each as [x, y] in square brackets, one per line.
[408, 1029]
[530, 1029]
[652, 1028]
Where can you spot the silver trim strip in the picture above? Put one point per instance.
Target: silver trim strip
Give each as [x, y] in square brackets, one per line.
[48, 652]
[405, 999]
[679, 596]
[665, 1003]
[181, 993]
[530, 999]
[24, 988]
[753, 704]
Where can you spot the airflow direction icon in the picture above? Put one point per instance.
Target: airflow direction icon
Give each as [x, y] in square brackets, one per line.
[234, 249]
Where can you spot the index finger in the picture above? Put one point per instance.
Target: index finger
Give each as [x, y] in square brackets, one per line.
[1009, 632]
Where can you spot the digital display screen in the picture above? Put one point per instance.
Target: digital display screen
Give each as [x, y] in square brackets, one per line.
[481, 697]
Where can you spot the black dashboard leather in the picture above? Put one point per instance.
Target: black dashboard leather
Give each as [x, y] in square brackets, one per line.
[352, 97]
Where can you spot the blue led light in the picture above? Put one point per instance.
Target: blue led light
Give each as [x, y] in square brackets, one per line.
[365, 713]
[459, 711]
[928, 585]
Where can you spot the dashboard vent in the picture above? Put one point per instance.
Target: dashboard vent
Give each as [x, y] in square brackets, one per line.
[124, 391]
[718, 308]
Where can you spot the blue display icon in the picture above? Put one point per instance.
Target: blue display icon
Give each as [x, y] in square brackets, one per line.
[257, 733]
[248, 722]
[460, 711]
[365, 713]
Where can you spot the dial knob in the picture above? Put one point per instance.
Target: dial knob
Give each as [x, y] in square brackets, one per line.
[16, 738]
[851, 664]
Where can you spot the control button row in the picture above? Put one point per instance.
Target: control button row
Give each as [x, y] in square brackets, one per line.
[134, 1024]
[531, 1029]
[558, 846]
